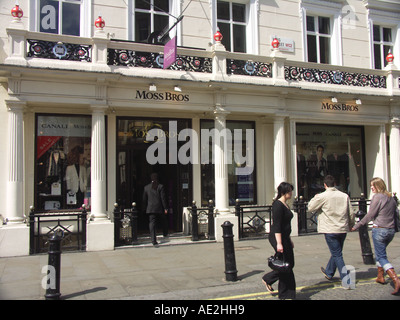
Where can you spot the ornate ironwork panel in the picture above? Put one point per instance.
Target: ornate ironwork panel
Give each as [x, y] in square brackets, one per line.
[44, 225]
[129, 58]
[254, 220]
[249, 68]
[334, 77]
[59, 50]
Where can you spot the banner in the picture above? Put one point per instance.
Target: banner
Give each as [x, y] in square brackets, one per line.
[170, 53]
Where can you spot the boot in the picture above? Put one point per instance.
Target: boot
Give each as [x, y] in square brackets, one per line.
[392, 274]
[381, 276]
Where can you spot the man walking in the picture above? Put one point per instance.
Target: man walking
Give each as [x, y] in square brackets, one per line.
[336, 218]
[155, 205]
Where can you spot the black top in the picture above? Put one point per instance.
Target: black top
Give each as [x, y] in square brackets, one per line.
[281, 217]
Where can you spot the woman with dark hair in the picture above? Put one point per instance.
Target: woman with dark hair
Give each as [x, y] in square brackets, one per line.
[279, 238]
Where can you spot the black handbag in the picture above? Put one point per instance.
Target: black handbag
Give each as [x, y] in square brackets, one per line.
[278, 263]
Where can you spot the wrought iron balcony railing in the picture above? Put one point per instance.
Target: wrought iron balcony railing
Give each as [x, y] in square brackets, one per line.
[115, 56]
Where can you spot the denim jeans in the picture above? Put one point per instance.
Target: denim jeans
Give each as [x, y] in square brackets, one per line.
[381, 238]
[335, 242]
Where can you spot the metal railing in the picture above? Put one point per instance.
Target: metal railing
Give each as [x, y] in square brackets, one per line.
[202, 221]
[125, 225]
[254, 220]
[43, 225]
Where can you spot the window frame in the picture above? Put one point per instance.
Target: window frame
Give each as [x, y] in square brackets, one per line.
[327, 9]
[174, 11]
[231, 22]
[252, 27]
[316, 33]
[85, 17]
[381, 43]
[385, 14]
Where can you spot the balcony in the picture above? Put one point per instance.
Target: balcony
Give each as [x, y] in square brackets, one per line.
[215, 65]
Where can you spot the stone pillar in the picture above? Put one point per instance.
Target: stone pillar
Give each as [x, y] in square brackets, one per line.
[222, 154]
[221, 167]
[395, 155]
[98, 164]
[100, 231]
[15, 234]
[15, 154]
[280, 174]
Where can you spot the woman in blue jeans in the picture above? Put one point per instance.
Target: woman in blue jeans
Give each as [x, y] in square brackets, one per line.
[382, 211]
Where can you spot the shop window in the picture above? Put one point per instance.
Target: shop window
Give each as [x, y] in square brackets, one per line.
[318, 39]
[329, 150]
[241, 186]
[151, 18]
[231, 19]
[63, 158]
[59, 16]
[383, 43]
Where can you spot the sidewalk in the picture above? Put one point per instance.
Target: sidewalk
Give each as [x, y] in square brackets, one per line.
[191, 271]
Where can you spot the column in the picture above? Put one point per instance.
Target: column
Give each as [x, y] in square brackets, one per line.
[395, 154]
[221, 155]
[15, 154]
[279, 151]
[221, 167]
[98, 169]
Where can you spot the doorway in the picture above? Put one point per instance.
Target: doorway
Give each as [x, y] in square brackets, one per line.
[134, 169]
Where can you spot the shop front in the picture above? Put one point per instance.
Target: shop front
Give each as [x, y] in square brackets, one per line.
[134, 166]
[330, 150]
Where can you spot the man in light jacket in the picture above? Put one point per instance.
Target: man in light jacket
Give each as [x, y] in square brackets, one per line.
[336, 218]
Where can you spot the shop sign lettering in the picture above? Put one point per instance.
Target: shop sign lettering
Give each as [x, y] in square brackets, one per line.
[161, 96]
[339, 107]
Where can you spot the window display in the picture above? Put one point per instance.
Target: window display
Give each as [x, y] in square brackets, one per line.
[333, 150]
[241, 186]
[63, 156]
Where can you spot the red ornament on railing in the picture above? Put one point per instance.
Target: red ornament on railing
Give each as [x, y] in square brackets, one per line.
[390, 57]
[100, 23]
[218, 36]
[275, 43]
[17, 12]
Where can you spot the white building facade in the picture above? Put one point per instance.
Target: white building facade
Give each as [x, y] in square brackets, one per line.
[83, 88]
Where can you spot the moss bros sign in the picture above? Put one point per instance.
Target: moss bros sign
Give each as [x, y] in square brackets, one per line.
[339, 107]
[161, 96]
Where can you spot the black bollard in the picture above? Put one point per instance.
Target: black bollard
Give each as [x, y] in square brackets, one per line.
[53, 288]
[211, 230]
[117, 224]
[366, 250]
[134, 223]
[195, 224]
[229, 252]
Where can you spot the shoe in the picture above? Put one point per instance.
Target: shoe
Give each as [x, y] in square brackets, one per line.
[155, 243]
[381, 276]
[392, 274]
[324, 273]
[268, 286]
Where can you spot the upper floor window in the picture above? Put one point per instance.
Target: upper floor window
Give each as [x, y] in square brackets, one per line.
[151, 17]
[60, 16]
[231, 21]
[68, 17]
[383, 42]
[319, 39]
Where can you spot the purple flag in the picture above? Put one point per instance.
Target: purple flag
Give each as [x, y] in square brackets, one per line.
[169, 53]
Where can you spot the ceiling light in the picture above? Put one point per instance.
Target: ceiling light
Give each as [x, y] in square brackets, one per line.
[334, 99]
[358, 101]
[153, 87]
[178, 88]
